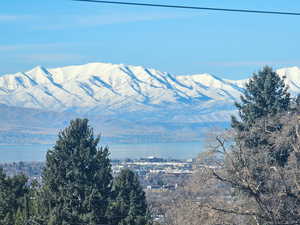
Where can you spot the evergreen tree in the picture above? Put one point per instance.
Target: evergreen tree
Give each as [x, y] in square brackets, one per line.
[129, 205]
[77, 178]
[265, 95]
[13, 191]
[38, 212]
[20, 218]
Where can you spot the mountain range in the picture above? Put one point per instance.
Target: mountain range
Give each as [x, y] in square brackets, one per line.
[125, 103]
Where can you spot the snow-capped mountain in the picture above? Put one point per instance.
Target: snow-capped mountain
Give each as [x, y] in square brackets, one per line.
[111, 87]
[124, 100]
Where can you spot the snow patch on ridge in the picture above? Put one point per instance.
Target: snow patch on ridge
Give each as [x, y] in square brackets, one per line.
[121, 87]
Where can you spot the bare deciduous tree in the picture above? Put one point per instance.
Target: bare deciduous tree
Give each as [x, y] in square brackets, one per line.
[239, 184]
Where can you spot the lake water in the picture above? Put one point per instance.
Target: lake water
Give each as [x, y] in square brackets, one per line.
[184, 150]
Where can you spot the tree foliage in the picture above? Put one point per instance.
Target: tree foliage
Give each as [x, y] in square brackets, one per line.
[250, 175]
[13, 194]
[265, 95]
[265, 98]
[128, 206]
[77, 187]
[77, 178]
[233, 186]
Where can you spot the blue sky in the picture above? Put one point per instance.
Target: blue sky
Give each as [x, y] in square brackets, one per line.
[230, 45]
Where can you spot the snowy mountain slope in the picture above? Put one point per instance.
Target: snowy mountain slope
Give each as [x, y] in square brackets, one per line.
[126, 103]
[292, 78]
[113, 86]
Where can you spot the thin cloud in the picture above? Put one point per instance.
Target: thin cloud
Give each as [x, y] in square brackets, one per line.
[44, 46]
[14, 18]
[50, 58]
[88, 21]
[20, 47]
[121, 18]
[69, 21]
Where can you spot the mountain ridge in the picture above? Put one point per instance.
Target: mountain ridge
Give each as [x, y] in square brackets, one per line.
[127, 103]
[108, 84]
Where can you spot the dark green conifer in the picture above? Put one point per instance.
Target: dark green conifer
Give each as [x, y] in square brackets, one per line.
[265, 95]
[13, 191]
[77, 178]
[20, 218]
[129, 206]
